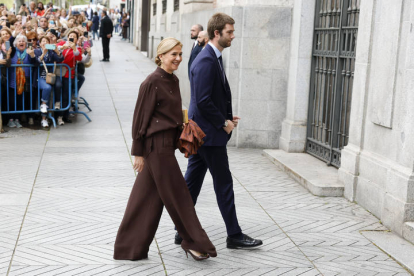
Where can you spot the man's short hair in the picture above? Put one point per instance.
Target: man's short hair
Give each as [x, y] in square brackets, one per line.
[217, 22]
[200, 27]
[104, 12]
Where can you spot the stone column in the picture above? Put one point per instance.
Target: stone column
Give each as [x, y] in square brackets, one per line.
[293, 137]
[349, 171]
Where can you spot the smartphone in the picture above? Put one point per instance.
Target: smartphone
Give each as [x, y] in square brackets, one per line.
[85, 34]
[84, 24]
[24, 5]
[7, 45]
[52, 22]
[50, 46]
[1, 27]
[71, 39]
[24, 19]
[29, 45]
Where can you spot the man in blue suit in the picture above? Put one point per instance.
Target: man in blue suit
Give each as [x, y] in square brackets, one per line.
[211, 109]
[196, 49]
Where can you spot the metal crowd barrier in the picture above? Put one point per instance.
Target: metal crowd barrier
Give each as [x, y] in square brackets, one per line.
[35, 98]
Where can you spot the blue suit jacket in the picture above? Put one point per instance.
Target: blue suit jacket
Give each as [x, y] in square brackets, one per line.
[194, 52]
[210, 103]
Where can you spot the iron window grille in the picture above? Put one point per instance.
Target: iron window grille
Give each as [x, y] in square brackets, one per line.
[164, 6]
[176, 5]
[333, 65]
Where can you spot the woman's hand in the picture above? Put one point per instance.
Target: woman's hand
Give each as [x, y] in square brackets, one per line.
[17, 30]
[57, 51]
[30, 52]
[3, 61]
[88, 50]
[44, 52]
[72, 45]
[138, 163]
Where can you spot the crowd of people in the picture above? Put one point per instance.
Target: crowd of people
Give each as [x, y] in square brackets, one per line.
[39, 35]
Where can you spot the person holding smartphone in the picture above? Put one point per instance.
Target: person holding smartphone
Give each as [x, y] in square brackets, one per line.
[51, 55]
[71, 54]
[40, 11]
[19, 79]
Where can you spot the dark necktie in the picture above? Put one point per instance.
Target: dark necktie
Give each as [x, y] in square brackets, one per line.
[220, 59]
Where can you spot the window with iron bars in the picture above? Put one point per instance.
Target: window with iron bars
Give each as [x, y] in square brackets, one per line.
[164, 6]
[176, 5]
[154, 8]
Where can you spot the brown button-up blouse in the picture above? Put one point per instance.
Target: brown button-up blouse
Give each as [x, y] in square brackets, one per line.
[158, 108]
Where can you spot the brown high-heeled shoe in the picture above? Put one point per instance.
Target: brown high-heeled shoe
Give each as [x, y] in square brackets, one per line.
[195, 257]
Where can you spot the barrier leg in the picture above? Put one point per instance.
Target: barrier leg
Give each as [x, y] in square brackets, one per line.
[49, 115]
[76, 111]
[85, 103]
[1, 122]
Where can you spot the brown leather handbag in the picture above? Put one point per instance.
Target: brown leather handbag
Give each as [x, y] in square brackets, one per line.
[50, 77]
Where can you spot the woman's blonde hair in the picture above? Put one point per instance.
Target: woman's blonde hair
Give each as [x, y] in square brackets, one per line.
[166, 45]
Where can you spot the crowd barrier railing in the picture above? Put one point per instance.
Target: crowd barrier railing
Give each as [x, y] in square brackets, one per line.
[30, 100]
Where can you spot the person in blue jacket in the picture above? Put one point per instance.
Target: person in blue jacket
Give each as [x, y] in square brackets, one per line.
[95, 25]
[18, 78]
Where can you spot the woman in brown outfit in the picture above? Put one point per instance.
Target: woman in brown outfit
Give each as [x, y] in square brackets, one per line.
[156, 127]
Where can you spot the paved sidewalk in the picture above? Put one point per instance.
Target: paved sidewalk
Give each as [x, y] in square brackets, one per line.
[63, 194]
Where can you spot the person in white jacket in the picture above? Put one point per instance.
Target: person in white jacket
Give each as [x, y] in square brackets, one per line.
[115, 16]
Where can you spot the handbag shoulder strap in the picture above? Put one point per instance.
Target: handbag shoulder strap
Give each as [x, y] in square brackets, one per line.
[54, 68]
[44, 64]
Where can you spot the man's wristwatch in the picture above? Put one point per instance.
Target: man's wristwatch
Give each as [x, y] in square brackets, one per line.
[226, 123]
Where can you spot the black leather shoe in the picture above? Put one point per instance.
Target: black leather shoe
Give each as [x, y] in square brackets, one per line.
[104, 60]
[246, 242]
[177, 239]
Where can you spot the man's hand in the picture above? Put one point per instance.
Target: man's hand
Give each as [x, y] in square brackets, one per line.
[236, 120]
[109, 36]
[229, 128]
[139, 163]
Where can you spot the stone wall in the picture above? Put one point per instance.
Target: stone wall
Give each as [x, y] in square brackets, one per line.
[377, 165]
[256, 64]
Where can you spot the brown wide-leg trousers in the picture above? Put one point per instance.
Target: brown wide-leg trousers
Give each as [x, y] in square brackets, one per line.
[160, 183]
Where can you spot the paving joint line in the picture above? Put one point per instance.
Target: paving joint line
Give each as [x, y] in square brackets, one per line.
[127, 148]
[278, 226]
[403, 266]
[28, 203]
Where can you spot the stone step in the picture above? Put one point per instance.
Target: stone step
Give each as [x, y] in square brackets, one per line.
[310, 172]
[408, 231]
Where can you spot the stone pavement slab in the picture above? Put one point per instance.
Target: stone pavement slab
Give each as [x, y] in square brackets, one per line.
[63, 194]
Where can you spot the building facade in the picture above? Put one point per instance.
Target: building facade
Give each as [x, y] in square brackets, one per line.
[333, 78]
